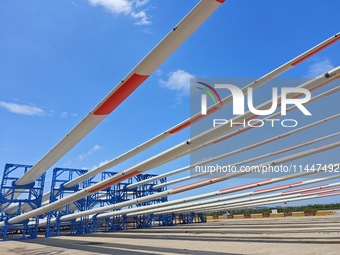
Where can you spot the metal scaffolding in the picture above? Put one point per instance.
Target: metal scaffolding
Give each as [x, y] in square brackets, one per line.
[15, 199]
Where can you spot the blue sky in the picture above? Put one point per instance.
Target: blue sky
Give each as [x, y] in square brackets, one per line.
[59, 58]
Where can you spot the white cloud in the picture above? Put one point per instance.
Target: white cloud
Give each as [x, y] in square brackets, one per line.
[179, 81]
[141, 18]
[23, 109]
[140, 3]
[94, 149]
[125, 7]
[68, 162]
[66, 115]
[319, 68]
[100, 164]
[114, 6]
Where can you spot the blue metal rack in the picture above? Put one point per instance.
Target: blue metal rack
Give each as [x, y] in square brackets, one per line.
[201, 218]
[143, 221]
[167, 219]
[116, 223]
[147, 189]
[147, 220]
[54, 226]
[186, 218]
[33, 193]
[21, 198]
[114, 194]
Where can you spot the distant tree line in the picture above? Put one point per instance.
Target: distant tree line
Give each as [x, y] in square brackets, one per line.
[280, 209]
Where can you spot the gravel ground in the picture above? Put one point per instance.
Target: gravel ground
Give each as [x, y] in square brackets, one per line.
[307, 235]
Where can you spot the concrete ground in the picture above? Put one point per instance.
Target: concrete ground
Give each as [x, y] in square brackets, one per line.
[305, 235]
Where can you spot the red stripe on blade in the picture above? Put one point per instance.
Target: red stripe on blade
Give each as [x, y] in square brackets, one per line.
[278, 187]
[113, 182]
[192, 121]
[120, 94]
[240, 187]
[316, 51]
[329, 194]
[320, 191]
[190, 184]
[193, 185]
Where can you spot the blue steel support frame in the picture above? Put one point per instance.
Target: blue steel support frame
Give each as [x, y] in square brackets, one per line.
[187, 218]
[114, 194]
[30, 198]
[58, 191]
[167, 219]
[144, 221]
[116, 223]
[147, 189]
[147, 220]
[201, 218]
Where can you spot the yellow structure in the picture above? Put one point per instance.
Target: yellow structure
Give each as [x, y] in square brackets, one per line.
[257, 215]
[324, 213]
[298, 214]
[277, 215]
